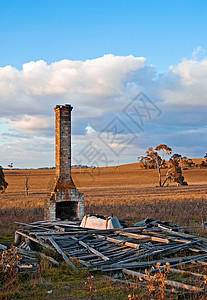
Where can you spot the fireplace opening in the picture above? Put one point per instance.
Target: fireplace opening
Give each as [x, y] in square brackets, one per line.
[66, 210]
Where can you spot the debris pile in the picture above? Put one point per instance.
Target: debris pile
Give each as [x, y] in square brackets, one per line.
[112, 250]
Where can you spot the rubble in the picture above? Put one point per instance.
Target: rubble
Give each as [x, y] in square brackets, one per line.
[111, 250]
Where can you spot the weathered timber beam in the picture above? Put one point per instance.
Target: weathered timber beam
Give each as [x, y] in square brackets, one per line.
[33, 226]
[51, 259]
[94, 251]
[135, 284]
[85, 231]
[121, 242]
[143, 237]
[34, 239]
[138, 265]
[134, 235]
[177, 271]
[168, 282]
[60, 251]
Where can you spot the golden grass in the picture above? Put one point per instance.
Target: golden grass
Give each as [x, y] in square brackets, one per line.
[128, 191]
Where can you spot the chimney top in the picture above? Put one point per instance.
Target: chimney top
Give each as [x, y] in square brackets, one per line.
[66, 106]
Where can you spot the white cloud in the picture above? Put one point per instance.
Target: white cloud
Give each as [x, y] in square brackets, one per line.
[27, 153]
[39, 86]
[185, 84]
[33, 124]
[98, 89]
[101, 76]
[198, 52]
[90, 130]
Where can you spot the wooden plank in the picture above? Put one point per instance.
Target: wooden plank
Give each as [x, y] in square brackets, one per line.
[116, 260]
[78, 232]
[173, 232]
[191, 260]
[112, 248]
[115, 254]
[34, 240]
[198, 249]
[59, 228]
[108, 254]
[177, 271]
[3, 247]
[89, 230]
[59, 250]
[179, 240]
[199, 262]
[132, 263]
[76, 240]
[134, 235]
[136, 284]
[158, 239]
[132, 245]
[52, 260]
[122, 242]
[86, 264]
[155, 252]
[142, 237]
[182, 262]
[94, 251]
[134, 228]
[33, 226]
[168, 282]
[27, 253]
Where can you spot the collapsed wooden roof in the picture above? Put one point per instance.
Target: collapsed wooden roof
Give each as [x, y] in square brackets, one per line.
[131, 248]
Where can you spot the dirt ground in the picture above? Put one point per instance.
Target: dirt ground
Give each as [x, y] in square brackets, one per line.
[127, 191]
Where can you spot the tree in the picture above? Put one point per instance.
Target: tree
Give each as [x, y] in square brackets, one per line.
[184, 162]
[155, 158]
[190, 163]
[165, 151]
[204, 162]
[3, 183]
[175, 170]
[143, 162]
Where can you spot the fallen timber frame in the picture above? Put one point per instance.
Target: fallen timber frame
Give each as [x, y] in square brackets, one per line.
[117, 249]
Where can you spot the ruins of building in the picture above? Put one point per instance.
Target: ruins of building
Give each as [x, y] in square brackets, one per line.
[66, 202]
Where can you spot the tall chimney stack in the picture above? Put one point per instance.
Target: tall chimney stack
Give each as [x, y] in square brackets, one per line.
[63, 142]
[66, 202]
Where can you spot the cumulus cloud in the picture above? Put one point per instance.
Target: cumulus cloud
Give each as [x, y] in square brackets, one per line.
[185, 84]
[99, 89]
[37, 125]
[104, 76]
[36, 88]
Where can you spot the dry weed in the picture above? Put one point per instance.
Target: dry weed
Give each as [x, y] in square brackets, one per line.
[9, 265]
[90, 286]
[156, 284]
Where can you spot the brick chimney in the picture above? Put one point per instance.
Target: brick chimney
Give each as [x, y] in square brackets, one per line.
[66, 202]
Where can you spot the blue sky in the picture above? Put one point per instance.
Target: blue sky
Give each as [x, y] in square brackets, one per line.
[162, 31]
[109, 51]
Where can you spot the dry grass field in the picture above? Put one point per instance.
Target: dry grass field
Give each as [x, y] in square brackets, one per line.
[127, 191]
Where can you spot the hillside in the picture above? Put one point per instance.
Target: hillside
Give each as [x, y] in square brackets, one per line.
[127, 191]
